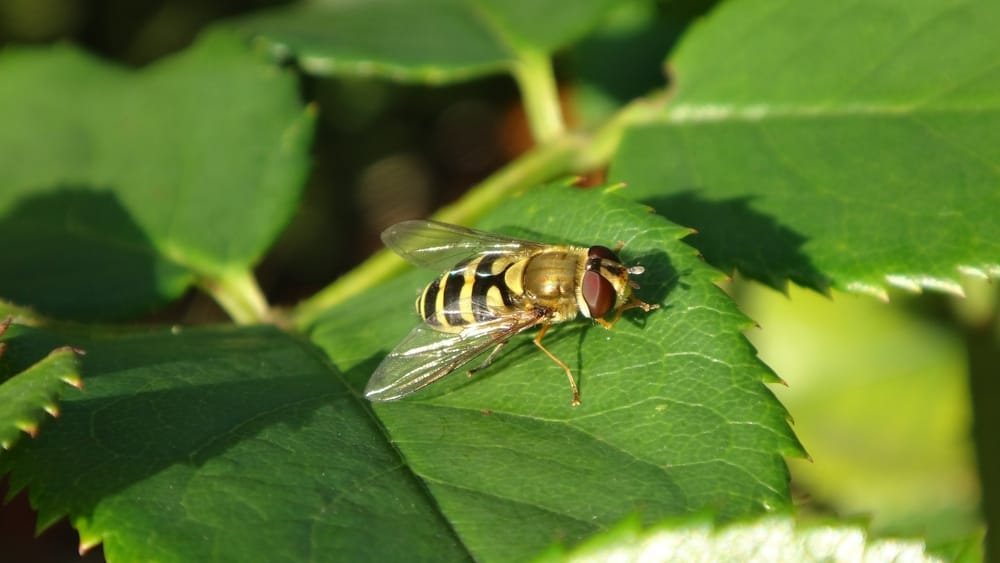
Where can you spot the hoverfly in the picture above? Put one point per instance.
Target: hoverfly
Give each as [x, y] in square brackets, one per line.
[495, 288]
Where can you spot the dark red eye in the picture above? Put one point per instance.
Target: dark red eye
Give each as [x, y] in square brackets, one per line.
[602, 252]
[598, 293]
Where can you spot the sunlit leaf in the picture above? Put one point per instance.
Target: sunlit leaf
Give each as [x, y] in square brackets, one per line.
[851, 144]
[675, 414]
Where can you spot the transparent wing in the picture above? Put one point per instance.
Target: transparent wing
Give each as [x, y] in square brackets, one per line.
[426, 355]
[431, 244]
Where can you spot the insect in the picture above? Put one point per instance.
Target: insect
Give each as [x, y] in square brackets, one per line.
[494, 288]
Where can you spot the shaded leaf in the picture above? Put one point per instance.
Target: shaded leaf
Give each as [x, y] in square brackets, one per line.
[636, 31]
[222, 444]
[439, 41]
[675, 416]
[121, 188]
[848, 144]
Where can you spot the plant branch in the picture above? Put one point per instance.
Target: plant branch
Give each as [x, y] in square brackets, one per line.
[239, 295]
[537, 82]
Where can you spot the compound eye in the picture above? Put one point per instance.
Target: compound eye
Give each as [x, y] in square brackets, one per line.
[598, 293]
[602, 252]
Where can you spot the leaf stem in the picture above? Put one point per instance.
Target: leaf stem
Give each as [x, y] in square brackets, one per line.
[537, 82]
[541, 163]
[238, 294]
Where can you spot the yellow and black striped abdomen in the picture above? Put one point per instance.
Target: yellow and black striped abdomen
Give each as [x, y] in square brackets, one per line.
[480, 289]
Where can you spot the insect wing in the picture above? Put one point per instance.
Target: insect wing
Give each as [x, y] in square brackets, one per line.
[436, 245]
[426, 355]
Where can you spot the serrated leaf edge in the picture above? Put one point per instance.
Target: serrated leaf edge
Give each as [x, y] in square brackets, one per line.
[774, 537]
[29, 426]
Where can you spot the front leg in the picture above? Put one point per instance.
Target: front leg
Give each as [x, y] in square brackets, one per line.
[633, 303]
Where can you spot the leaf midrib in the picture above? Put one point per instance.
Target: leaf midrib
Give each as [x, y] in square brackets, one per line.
[712, 113]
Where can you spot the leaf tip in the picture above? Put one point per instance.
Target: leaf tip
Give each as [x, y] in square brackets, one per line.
[87, 544]
[74, 380]
[72, 349]
[982, 272]
[869, 289]
[932, 283]
[28, 427]
[796, 451]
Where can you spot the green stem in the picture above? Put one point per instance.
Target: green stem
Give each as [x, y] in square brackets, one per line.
[239, 295]
[537, 82]
[538, 165]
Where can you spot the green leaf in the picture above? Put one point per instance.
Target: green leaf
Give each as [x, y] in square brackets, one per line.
[222, 444]
[20, 315]
[775, 538]
[436, 41]
[675, 416]
[122, 188]
[27, 397]
[851, 144]
[637, 31]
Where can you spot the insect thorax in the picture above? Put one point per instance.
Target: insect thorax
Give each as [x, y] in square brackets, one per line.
[551, 279]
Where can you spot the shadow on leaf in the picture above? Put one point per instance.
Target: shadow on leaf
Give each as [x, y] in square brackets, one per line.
[76, 253]
[640, 34]
[163, 410]
[734, 236]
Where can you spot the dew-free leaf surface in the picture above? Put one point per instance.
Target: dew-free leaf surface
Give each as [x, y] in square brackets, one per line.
[851, 144]
[120, 188]
[675, 414]
[222, 444]
[29, 397]
[438, 41]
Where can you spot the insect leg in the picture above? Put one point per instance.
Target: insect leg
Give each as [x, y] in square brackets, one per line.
[634, 303]
[569, 374]
[489, 359]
